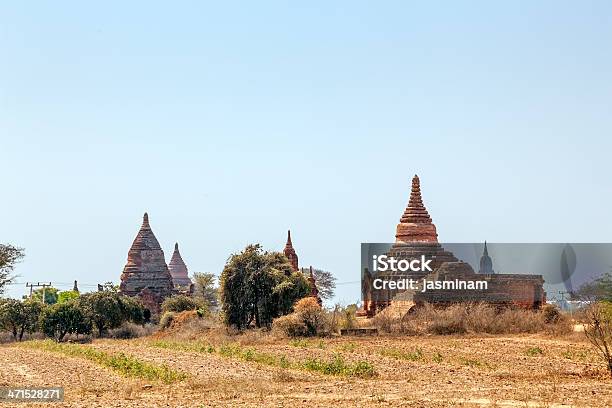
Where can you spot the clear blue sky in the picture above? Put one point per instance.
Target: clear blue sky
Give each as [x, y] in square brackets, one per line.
[231, 123]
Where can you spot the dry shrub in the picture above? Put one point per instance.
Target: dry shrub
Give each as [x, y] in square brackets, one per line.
[6, 337]
[290, 326]
[341, 318]
[599, 330]
[187, 325]
[129, 330]
[385, 322]
[308, 319]
[474, 318]
[312, 314]
[518, 321]
[450, 320]
[480, 318]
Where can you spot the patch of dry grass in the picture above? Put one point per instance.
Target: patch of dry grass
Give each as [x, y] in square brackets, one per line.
[473, 318]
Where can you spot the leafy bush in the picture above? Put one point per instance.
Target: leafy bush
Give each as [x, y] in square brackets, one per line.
[64, 318]
[109, 310]
[204, 288]
[181, 303]
[67, 295]
[257, 287]
[166, 320]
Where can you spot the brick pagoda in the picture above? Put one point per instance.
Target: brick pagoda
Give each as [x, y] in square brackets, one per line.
[146, 274]
[416, 235]
[178, 270]
[290, 252]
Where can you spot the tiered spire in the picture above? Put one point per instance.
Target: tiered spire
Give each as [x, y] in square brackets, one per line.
[415, 224]
[178, 269]
[146, 267]
[416, 211]
[290, 252]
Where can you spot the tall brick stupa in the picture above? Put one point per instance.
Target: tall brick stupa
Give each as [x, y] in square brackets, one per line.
[290, 252]
[178, 269]
[146, 274]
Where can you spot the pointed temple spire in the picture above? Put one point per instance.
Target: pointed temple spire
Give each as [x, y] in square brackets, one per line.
[486, 263]
[415, 224]
[178, 269]
[145, 221]
[290, 252]
[146, 268]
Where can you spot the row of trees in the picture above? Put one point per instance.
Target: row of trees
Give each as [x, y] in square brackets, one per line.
[99, 311]
[255, 288]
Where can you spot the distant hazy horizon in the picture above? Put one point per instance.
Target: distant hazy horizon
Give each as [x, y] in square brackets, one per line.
[232, 123]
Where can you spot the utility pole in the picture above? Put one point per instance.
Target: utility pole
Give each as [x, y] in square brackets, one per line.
[43, 285]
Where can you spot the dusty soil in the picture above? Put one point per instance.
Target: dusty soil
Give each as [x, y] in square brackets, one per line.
[502, 371]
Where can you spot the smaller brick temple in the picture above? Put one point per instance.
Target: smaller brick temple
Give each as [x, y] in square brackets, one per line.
[146, 274]
[291, 255]
[290, 252]
[178, 270]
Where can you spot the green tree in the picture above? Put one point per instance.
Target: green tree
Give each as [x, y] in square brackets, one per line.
[61, 319]
[20, 317]
[258, 286]
[67, 295]
[109, 310]
[133, 310]
[205, 288]
[11, 315]
[104, 310]
[51, 295]
[181, 303]
[9, 257]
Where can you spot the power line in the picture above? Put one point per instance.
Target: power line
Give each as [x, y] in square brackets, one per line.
[38, 285]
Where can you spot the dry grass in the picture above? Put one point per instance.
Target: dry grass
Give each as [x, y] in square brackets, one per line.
[472, 318]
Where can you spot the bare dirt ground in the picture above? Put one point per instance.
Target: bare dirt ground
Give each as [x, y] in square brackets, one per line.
[434, 371]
